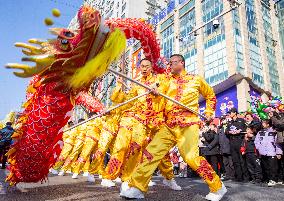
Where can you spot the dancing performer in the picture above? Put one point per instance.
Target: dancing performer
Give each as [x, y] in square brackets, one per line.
[90, 144]
[182, 128]
[109, 133]
[142, 118]
[69, 138]
[77, 148]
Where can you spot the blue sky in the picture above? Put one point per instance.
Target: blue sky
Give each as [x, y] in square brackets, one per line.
[20, 21]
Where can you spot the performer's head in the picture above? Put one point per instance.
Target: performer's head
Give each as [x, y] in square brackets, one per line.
[177, 63]
[146, 67]
[70, 123]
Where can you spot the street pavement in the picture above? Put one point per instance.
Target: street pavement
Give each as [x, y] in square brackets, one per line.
[64, 188]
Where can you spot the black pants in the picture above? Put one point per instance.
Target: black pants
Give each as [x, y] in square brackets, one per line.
[229, 166]
[270, 167]
[213, 161]
[281, 169]
[254, 167]
[238, 160]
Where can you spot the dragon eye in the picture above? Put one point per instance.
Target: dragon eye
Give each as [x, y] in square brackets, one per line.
[64, 42]
[68, 34]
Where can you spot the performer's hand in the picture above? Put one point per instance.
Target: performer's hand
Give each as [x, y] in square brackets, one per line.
[120, 80]
[278, 156]
[154, 91]
[104, 112]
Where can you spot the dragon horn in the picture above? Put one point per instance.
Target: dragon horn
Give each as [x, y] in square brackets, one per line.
[32, 50]
[42, 63]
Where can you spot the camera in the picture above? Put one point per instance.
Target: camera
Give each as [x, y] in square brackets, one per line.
[216, 24]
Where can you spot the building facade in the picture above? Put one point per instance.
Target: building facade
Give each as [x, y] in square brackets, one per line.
[280, 13]
[127, 8]
[244, 41]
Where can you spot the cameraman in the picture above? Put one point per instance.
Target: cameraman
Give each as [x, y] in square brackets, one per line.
[5, 142]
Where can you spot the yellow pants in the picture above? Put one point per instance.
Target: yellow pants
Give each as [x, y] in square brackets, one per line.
[86, 166]
[120, 148]
[108, 134]
[89, 146]
[128, 150]
[73, 155]
[66, 150]
[187, 141]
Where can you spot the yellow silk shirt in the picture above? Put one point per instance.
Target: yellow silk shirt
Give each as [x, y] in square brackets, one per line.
[149, 108]
[186, 88]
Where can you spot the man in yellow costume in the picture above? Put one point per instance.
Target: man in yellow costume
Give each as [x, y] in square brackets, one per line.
[98, 140]
[69, 138]
[181, 129]
[90, 144]
[77, 148]
[145, 116]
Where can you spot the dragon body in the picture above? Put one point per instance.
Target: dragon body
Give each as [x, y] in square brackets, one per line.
[65, 69]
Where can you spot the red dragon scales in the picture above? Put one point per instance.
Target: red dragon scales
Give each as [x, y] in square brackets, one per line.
[65, 68]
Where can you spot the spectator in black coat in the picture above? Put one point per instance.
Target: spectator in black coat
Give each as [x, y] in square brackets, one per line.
[236, 130]
[249, 151]
[212, 148]
[225, 150]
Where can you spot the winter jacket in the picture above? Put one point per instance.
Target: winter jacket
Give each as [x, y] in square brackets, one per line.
[278, 125]
[6, 134]
[224, 141]
[265, 143]
[211, 143]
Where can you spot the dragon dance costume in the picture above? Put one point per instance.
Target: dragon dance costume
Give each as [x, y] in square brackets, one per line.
[93, 132]
[77, 148]
[142, 118]
[69, 138]
[182, 128]
[108, 133]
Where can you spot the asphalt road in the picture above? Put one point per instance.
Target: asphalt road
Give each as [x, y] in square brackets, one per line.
[65, 188]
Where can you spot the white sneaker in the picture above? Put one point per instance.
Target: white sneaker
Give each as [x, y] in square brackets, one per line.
[117, 180]
[75, 176]
[133, 193]
[280, 182]
[124, 187]
[53, 171]
[86, 174]
[172, 184]
[107, 183]
[151, 183]
[271, 183]
[61, 173]
[91, 178]
[217, 195]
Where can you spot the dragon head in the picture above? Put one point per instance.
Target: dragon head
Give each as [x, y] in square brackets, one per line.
[64, 59]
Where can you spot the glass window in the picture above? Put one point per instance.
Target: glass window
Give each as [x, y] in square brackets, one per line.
[168, 41]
